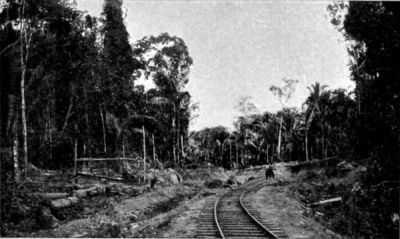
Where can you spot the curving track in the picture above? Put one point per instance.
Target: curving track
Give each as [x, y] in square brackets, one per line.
[229, 215]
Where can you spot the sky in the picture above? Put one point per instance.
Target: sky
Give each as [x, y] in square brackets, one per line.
[241, 48]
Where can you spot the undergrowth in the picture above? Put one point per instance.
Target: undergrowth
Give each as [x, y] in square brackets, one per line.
[365, 212]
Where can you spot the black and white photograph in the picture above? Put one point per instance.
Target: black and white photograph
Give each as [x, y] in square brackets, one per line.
[200, 119]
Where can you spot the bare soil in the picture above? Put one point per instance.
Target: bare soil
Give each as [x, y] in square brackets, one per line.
[275, 204]
[172, 211]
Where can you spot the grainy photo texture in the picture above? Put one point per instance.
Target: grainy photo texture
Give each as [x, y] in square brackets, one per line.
[200, 119]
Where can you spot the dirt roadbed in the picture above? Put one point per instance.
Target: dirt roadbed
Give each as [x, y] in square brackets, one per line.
[275, 204]
[173, 211]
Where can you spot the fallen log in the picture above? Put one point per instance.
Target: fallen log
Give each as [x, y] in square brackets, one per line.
[81, 193]
[50, 196]
[95, 190]
[64, 202]
[331, 200]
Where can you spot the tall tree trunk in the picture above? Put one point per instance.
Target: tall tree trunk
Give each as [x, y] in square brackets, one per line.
[230, 155]
[241, 157]
[48, 135]
[177, 150]
[87, 124]
[183, 151]
[178, 133]
[17, 175]
[173, 140]
[306, 145]
[25, 41]
[104, 130]
[245, 149]
[23, 116]
[268, 161]
[51, 121]
[154, 150]
[237, 156]
[311, 151]
[144, 153]
[322, 147]
[280, 139]
[22, 86]
[76, 151]
[123, 147]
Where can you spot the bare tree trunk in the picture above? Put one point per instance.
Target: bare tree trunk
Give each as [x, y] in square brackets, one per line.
[306, 146]
[51, 113]
[230, 155]
[268, 161]
[87, 124]
[23, 106]
[322, 147]
[183, 150]
[174, 153]
[24, 127]
[245, 149]
[123, 147]
[177, 135]
[241, 157]
[173, 140]
[280, 139]
[17, 175]
[237, 156]
[326, 150]
[154, 149]
[177, 149]
[104, 130]
[76, 151]
[144, 154]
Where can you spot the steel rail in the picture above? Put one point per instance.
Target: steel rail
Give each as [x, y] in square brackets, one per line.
[230, 215]
[216, 217]
[252, 217]
[217, 201]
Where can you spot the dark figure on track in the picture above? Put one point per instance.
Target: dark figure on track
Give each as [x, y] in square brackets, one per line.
[269, 172]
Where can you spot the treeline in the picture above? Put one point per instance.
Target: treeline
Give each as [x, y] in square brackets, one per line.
[325, 128]
[68, 87]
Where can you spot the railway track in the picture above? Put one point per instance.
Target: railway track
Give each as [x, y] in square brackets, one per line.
[230, 215]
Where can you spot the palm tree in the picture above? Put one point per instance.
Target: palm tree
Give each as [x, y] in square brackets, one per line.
[133, 123]
[264, 131]
[179, 101]
[315, 108]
